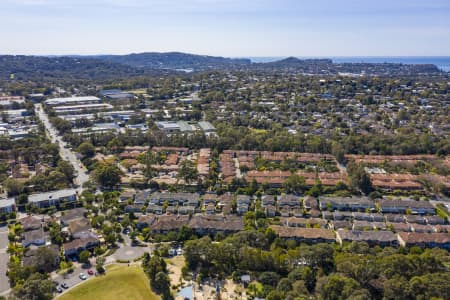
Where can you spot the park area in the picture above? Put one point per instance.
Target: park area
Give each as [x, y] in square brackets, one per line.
[119, 282]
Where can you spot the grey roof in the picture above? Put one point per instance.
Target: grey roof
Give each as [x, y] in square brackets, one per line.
[168, 125]
[367, 236]
[406, 204]
[52, 195]
[73, 214]
[206, 126]
[181, 197]
[185, 126]
[347, 201]
[34, 235]
[59, 101]
[7, 202]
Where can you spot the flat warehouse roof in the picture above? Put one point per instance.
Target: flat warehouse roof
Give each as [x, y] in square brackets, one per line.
[81, 106]
[56, 101]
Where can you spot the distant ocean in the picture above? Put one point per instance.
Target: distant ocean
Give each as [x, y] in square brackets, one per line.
[442, 62]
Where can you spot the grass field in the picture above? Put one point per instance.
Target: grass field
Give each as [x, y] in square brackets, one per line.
[120, 282]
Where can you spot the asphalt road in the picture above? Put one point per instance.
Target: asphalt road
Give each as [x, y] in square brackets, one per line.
[4, 281]
[128, 252]
[65, 152]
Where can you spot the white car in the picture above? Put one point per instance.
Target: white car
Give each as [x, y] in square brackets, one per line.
[83, 276]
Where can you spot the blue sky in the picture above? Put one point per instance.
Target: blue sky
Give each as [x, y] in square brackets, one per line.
[227, 27]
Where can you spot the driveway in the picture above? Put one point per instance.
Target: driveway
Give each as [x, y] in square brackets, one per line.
[128, 252]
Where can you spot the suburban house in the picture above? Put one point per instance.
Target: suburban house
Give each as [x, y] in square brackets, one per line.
[399, 227]
[71, 215]
[156, 209]
[304, 222]
[172, 210]
[186, 210]
[30, 223]
[432, 240]
[35, 237]
[126, 195]
[307, 235]
[394, 218]
[435, 220]
[202, 224]
[80, 228]
[340, 224]
[135, 208]
[141, 197]
[76, 246]
[288, 200]
[145, 221]
[415, 219]
[175, 198]
[210, 209]
[209, 198]
[346, 203]
[342, 215]
[7, 205]
[270, 210]
[381, 238]
[242, 204]
[310, 203]
[362, 216]
[267, 200]
[422, 228]
[166, 223]
[54, 198]
[402, 206]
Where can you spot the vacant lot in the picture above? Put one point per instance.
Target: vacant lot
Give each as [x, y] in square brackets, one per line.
[174, 266]
[120, 282]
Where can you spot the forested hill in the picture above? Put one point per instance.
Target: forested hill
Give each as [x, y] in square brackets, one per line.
[175, 60]
[327, 66]
[21, 67]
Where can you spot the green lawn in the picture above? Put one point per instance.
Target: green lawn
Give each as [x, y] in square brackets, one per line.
[120, 282]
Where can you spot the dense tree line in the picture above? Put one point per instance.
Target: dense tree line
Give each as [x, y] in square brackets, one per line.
[288, 270]
[278, 139]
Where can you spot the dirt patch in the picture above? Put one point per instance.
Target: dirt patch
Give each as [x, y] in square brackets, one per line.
[174, 265]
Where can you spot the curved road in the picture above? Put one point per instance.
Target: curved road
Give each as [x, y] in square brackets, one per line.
[65, 152]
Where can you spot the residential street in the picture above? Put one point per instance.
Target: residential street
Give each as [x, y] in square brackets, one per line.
[65, 152]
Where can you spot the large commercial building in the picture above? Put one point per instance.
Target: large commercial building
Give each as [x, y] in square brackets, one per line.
[82, 108]
[72, 101]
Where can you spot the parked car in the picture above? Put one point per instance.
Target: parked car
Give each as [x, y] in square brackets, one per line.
[83, 276]
[90, 272]
[65, 285]
[59, 289]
